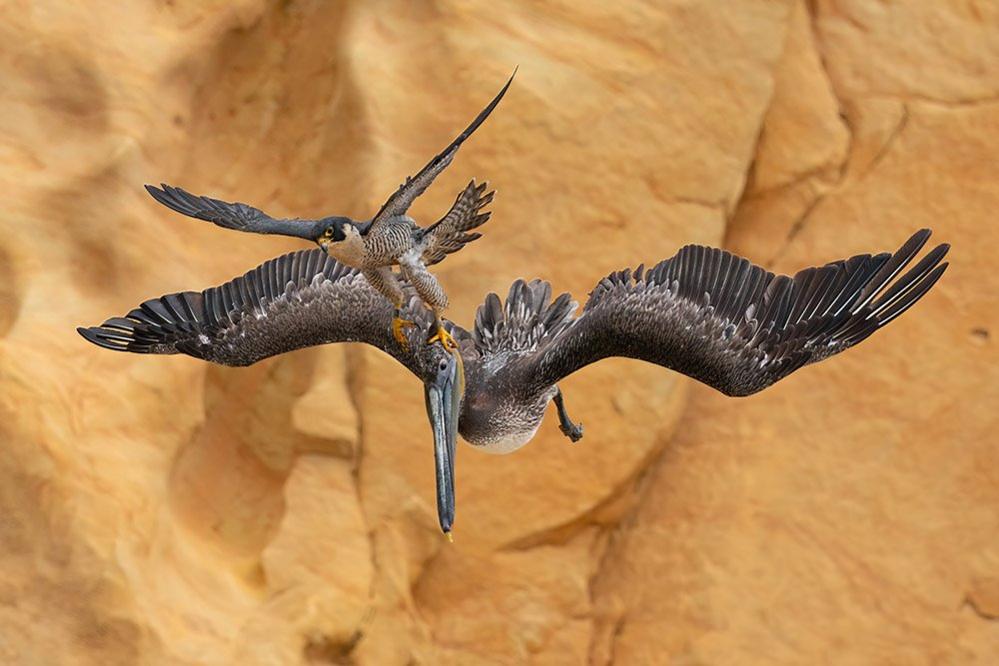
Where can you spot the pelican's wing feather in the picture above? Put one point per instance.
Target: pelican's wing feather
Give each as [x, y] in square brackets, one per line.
[735, 326]
[297, 300]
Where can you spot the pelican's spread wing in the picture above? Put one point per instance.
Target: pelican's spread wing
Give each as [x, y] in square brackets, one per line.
[735, 326]
[450, 233]
[297, 300]
[238, 216]
[403, 198]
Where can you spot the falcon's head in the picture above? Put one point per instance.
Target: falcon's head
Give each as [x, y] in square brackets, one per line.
[334, 230]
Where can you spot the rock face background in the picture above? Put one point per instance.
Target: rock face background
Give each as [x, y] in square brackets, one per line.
[161, 511]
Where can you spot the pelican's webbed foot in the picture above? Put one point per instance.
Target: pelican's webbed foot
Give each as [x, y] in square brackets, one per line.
[571, 430]
[398, 330]
[442, 336]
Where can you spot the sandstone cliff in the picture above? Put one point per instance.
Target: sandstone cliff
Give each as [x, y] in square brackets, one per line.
[161, 511]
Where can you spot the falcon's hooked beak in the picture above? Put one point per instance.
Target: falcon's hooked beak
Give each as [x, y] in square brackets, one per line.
[324, 240]
[443, 396]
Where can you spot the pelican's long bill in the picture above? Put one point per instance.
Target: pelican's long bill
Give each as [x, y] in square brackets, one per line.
[443, 396]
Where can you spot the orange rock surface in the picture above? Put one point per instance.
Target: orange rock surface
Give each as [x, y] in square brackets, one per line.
[157, 510]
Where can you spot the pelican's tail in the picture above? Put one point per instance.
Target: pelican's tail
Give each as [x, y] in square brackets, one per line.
[527, 320]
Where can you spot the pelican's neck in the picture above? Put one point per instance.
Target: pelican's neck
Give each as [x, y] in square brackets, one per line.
[497, 415]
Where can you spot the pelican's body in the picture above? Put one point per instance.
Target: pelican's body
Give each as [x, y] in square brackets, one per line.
[390, 238]
[704, 312]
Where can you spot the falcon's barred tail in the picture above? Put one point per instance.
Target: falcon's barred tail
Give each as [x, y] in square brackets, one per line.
[449, 234]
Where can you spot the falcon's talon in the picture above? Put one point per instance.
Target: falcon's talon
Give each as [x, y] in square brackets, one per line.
[446, 339]
[398, 326]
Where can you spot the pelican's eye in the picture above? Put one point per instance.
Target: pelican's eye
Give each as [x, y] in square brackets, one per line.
[443, 365]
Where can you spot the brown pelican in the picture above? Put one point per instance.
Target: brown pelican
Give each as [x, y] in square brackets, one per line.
[705, 312]
[390, 238]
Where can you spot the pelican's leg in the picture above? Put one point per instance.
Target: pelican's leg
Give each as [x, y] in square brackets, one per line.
[571, 430]
[433, 295]
[384, 280]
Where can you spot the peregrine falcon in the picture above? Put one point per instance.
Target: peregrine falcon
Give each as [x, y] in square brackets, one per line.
[705, 313]
[390, 238]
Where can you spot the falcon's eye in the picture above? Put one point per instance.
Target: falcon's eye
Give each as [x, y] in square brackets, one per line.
[328, 233]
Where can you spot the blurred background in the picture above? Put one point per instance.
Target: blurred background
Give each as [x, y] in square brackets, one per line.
[158, 510]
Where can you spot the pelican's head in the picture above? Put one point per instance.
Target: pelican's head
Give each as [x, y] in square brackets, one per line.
[444, 386]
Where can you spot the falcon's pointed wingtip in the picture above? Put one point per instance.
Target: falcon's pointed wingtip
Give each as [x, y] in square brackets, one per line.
[506, 85]
[489, 108]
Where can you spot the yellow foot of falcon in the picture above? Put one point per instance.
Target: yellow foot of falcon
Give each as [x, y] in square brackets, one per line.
[398, 332]
[445, 338]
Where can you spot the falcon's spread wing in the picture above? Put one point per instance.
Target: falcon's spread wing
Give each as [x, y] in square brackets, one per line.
[403, 198]
[732, 325]
[449, 234]
[297, 300]
[238, 216]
